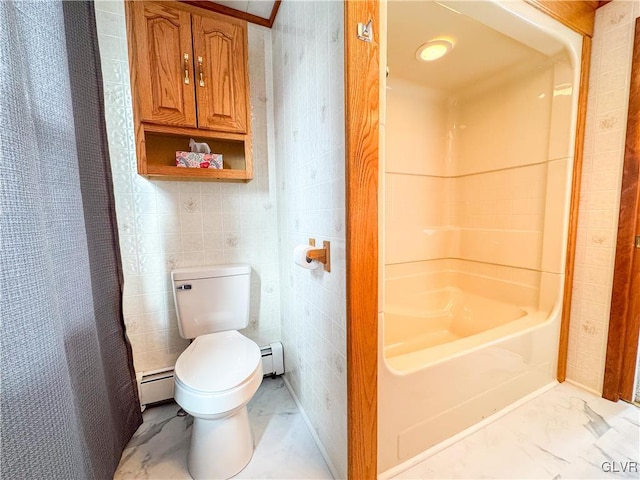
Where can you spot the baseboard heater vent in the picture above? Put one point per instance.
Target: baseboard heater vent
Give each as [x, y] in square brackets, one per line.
[272, 359]
[157, 386]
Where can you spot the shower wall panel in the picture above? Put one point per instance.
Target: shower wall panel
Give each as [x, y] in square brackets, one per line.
[416, 129]
[503, 122]
[470, 174]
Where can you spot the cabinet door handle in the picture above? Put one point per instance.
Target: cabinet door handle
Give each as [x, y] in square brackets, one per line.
[201, 74]
[186, 68]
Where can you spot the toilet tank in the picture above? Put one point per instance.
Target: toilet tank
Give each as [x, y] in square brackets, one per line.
[211, 299]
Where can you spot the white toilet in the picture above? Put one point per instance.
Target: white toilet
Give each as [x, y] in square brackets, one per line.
[216, 376]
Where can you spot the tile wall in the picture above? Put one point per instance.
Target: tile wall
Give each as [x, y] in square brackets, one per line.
[308, 67]
[168, 224]
[600, 192]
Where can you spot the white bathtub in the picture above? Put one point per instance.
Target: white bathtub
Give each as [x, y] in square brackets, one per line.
[450, 358]
[429, 326]
[431, 319]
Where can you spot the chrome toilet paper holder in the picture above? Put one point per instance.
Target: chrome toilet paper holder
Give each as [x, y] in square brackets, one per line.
[322, 255]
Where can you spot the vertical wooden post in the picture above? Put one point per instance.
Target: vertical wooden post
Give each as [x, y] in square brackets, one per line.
[362, 123]
[563, 348]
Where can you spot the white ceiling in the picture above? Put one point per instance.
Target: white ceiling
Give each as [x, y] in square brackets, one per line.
[260, 8]
[479, 51]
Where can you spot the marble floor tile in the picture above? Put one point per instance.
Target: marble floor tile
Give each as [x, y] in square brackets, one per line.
[284, 446]
[565, 433]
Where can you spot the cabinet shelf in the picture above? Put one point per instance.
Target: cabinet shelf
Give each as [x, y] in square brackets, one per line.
[161, 144]
[196, 173]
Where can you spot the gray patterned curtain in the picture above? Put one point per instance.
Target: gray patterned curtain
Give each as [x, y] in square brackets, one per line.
[68, 395]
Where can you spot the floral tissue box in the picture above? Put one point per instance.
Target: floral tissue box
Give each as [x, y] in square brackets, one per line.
[198, 160]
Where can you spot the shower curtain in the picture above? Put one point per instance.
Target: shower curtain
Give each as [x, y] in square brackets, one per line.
[68, 393]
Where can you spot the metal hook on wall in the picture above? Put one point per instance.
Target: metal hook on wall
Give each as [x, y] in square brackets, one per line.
[365, 32]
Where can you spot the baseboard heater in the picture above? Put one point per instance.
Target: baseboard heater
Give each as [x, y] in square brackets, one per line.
[157, 386]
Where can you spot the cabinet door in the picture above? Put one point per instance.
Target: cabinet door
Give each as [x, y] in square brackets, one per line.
[220, 58]
[164, 64]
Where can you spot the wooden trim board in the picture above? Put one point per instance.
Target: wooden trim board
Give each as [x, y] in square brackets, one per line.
[563, 347]
[232, 12]
[577, 15]
[274, 13]
[362, 133]
[602, 3]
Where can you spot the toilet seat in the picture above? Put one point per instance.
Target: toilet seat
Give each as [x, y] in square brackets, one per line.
[218, 361]
[217, 373]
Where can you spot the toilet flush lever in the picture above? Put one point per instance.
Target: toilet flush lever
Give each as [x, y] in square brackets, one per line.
[184, 287]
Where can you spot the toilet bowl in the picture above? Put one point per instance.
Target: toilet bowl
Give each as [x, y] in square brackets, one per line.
[215, 377]
[220, 371]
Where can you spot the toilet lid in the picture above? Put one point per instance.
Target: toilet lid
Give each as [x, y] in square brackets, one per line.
[218, 361]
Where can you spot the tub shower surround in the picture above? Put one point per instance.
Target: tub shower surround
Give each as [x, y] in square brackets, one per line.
[169, 224]
[475, 235]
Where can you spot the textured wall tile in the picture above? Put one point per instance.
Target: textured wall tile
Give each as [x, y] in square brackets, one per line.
[309, 139]
[600, 192]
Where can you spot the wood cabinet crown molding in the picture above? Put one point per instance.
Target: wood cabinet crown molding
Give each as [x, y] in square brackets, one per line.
[232, 12]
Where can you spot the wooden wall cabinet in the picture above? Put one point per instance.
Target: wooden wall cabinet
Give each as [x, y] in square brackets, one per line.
[189, 79]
